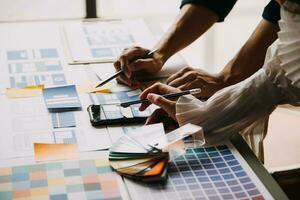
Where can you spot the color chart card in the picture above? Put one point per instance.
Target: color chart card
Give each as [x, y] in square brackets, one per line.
[61, 98]
[212, 173]
[80, 179]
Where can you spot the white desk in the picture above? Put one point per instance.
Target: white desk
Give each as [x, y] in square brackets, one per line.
[48, 35]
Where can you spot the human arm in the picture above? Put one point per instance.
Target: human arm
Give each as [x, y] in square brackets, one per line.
[238, 106]
[246, 62]
[194, 18]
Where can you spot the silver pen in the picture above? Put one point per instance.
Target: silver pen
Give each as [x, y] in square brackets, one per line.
[168, 96]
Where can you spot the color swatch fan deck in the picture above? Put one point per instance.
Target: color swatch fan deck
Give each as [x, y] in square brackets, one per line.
[142, 155]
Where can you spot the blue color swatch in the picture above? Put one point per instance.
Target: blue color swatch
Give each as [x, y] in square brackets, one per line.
[17, 55]
[63, 119]
[65, 137]
[61, 98]
[202, 173]
[79, 179]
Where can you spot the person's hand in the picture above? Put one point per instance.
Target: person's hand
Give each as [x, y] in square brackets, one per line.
[190, 78]
[153, 94]
[133, 62]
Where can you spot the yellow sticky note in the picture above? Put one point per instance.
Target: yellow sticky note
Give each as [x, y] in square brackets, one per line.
[49, 152]
[23, 92]
[33, 87]
[85, 88]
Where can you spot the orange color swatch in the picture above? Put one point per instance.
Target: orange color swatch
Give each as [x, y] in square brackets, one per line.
[157, 169]
[49, 152]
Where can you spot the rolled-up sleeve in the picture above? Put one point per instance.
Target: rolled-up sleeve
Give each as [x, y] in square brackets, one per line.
[220, 7]
[231, 109]
[271, 12]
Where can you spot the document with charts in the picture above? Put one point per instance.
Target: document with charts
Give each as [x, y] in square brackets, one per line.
[27, 121]
[34, 67]
[103, 41]
[31, 54]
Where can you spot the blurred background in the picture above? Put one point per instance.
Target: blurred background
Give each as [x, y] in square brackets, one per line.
[210, 52]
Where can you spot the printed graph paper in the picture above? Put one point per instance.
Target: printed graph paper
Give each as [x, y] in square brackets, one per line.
[34, 67]
[84, 179]
[212, 173]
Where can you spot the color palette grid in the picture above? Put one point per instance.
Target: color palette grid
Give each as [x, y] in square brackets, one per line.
[84, 179]
[35, 67]
[202, 173]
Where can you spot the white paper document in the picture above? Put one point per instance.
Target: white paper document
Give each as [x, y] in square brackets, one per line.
[103, 41]
[27, 121]
[32, 54]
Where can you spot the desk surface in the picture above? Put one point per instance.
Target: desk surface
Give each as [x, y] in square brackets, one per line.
[237, 140]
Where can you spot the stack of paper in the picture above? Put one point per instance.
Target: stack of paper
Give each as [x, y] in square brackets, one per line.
[142, 154]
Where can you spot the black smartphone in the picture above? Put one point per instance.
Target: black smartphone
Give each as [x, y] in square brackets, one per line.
[116, 115]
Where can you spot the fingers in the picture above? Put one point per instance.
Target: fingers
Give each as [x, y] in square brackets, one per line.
[128, 56]
[122, 78]
[144, 106]
[186, 78]
[178, 74]
[191, 85]
[156, 116]
[157, 88]
[165, 104]
[143, 65]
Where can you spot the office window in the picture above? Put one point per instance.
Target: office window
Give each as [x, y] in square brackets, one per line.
[22, 10]
[137, 8]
